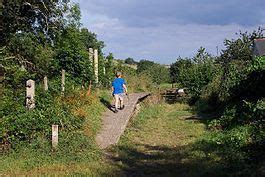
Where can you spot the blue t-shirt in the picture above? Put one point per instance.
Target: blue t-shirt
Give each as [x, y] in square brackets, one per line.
[117, 84]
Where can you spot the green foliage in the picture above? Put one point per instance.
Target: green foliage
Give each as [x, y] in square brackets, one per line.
[240, 49]
[78, 117]
[26, 55]
[258, 64]
[72, 55]
[238, 64]
[139, 83]
[158, 73]
[240, 74]
[177, 68]
[20, 124]
[238, 148]
[231, 87]
[144, 65]
[90, 40]
[39, 39]
[41, 18]
[194, 74]
[231, 143]
[238, 94]
[109, 73]
[45, 39]
[130, 61]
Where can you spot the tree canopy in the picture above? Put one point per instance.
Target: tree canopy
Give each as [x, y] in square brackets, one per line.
[43, 37]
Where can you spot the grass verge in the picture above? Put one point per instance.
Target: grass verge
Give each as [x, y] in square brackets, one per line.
[169, 140]
[77, 153]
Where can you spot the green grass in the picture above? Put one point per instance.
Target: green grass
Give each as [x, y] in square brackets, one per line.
[161, 140]
[158, 142]
[77, 152]
[169, 140]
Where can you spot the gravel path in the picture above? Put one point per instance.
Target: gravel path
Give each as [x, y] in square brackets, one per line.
[114, 124]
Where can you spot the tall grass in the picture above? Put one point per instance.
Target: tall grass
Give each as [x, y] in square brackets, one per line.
[77, 152]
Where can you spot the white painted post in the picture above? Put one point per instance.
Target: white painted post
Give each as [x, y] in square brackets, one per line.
[55, 136]
[104, 70]
[96, 65]
[45, 80]
[63, 81]
[30, 93]
[90, 55]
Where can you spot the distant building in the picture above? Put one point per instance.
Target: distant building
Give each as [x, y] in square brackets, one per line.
[259, 47]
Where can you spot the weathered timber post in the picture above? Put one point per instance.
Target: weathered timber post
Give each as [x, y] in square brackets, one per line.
[90, 55]
[30, 93]
[63, 81]
[104, 70]
[55, 136]
[45, 80]
[83, 84]
[96, 65]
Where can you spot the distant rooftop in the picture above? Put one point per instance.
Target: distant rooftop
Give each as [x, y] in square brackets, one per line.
[259, 47]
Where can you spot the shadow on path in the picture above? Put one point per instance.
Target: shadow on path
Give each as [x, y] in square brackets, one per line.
[107, 104]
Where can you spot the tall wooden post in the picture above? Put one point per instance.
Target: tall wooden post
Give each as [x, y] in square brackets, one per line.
[96, 65]
[90, 55]
[55, 136]
[45, 81]
[63, 81]
[104, 70]
[30, 93]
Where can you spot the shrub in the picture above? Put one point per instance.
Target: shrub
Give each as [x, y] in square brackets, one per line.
[158, 73]
[139, 83]
[194, 74]
[20, 125]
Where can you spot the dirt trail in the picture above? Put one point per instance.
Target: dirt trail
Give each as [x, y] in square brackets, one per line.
[114, 124]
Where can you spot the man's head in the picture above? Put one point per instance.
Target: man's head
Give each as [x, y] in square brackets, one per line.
[118, 74]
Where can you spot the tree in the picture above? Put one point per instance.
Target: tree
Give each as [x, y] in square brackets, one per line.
[43, 18]
[194, 73]
[235, 60]
[29, 30]
[72, 55]
[240, 49]
[144, 65]
[90, 40]
[158, 73]
[130, 61]
[177, 67]
[109, 68]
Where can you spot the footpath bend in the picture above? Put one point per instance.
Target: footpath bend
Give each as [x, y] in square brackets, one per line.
[114, 124]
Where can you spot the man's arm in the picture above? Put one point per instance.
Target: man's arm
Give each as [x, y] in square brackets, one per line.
[124, 88]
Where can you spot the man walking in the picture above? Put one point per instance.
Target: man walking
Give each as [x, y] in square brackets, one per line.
[118, 90]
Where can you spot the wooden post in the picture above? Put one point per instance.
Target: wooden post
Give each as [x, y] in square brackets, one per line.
[89, 88]
[96, 65]
[63, 81]
[45, 80]
[54, 136]
[90, 55]
[104, 70]
[30, 93]
[83, 84]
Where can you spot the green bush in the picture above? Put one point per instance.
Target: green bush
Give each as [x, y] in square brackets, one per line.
[139, 83]
[24, 125]
[231, 145]
[158, 73]
[194, 74]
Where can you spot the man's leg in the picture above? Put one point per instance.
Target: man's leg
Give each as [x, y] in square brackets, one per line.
[121, 101]
[116, 97]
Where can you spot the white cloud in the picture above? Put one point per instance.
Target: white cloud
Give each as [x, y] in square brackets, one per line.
[162, 42]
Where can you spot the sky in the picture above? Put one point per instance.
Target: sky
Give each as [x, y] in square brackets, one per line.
[163, 30]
